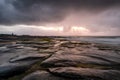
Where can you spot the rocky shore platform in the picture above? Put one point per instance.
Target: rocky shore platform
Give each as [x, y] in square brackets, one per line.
[57, 58]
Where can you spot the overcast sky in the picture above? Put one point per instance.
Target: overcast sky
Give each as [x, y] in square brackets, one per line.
[60, 17]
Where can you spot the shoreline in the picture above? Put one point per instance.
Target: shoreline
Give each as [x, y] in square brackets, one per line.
[47, 56]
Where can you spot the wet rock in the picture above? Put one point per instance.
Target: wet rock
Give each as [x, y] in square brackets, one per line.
[73, 44]
[35, 42]
[70, 58]
[4, 49]
[11, 69]
[14, 53]
[60, 43]
[42, 46]
[85, 73]
[19, 47]
[29, 57]
[13, 45]
[43, 75]
[107, 47]
[46, 51]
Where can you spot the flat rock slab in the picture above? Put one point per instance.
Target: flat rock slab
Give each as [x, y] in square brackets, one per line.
[35, 42]
[43, 75]
[20, 52]
[29, 57]
[4, 49]
[85, 73]
[72, 58]
[11, 69]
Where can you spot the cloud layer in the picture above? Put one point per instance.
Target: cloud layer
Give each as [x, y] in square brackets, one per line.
[43, 11]
[96, 15]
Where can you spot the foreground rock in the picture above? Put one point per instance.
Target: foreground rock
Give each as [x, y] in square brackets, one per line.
[86, 73]
[72, 58]
[10, 51]
[4, 49]
[43, 75]
[30, 57]
[61, 60]
[11, 69]
[20, 64]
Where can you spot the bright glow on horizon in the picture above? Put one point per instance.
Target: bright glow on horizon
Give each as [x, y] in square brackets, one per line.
[60, 29]
[46, 30]
[79, 29]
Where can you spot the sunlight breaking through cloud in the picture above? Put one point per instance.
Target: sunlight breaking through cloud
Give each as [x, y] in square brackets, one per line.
[46, 30]
[79, 29]
[60, 29]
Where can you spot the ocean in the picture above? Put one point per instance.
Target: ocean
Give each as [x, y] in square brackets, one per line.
[106, 40]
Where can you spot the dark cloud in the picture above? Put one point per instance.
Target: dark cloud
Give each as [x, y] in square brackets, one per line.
[44, 11]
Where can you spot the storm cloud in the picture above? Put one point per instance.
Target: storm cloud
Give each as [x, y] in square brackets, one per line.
[43, 11]
[96, 15]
